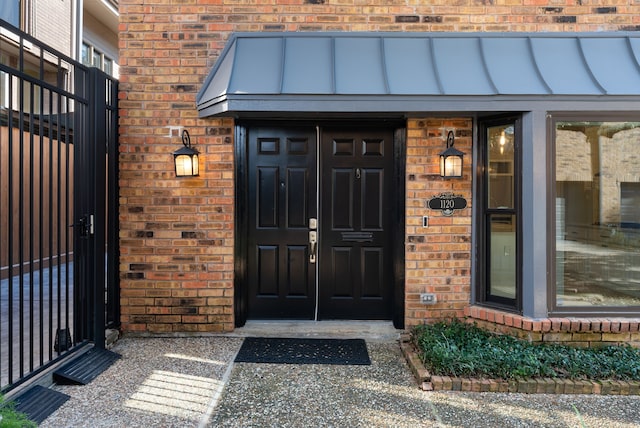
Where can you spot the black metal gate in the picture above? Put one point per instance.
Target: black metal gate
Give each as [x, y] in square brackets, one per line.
[58, 206]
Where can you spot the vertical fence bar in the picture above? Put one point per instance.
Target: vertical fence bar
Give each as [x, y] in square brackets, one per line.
[67, 139]
[10, 237]
[41, 228]
[96, 154]
[21, 222]
[41, 216]
[113, 252]
[50, 225]
[21, 227]
[58, 209]
[80, 317]
[2, 249]
[31, 212]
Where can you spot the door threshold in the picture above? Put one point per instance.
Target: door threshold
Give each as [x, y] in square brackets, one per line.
[375, 331]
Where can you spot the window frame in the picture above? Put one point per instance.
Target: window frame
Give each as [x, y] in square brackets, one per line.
[484, 212]
[552, 304]
[93, 54]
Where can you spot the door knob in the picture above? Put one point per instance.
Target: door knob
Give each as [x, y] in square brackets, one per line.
[313, 243]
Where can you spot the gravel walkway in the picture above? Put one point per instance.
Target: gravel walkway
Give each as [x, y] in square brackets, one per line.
[178, 382]
[158, 382]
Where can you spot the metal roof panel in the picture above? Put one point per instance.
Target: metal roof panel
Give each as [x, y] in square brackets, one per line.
[409, 66]
[271, 70]
[612, 63]
[635, 47]
[258, 66]
[359, 65]
[217, 82]
[460, 66]
[308, 66]
[563, 66]
[506, 57]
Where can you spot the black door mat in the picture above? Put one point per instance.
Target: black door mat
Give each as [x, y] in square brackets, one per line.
[38, 402]
[303, 351]
[85, 368]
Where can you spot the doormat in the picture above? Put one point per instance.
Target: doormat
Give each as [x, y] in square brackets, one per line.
[38, 402]
[303, 351]
[85, 368]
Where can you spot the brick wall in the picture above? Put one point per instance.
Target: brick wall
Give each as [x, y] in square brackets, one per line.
[438, 257]
[177, 235]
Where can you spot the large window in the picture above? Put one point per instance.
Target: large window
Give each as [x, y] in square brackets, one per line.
[10, 12]
[499, 267]
[597, 215]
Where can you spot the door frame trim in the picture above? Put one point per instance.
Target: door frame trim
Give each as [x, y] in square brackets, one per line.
[241, 225]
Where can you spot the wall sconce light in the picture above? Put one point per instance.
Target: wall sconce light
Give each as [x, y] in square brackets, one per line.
[451, 160]
[186, 158]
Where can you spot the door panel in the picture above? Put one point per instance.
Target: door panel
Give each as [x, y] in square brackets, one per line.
[342, 190]
[341, 268]
[281, 199]
[373, 272]
[372, 199]
[297, 207]
[298, 271]
[267, 270]
[355, 262]
[267, 194]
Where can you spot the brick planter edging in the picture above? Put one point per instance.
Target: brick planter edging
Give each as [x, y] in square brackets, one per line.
[571, 331]
[428, 382]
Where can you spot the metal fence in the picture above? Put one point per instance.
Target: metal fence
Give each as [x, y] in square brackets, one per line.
[58, 206]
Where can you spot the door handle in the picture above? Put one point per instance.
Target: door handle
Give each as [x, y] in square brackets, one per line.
[313, 243]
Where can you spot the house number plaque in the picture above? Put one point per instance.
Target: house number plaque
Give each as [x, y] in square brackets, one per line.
[447, 203]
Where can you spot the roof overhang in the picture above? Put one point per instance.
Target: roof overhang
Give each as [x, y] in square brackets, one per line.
[404, 73]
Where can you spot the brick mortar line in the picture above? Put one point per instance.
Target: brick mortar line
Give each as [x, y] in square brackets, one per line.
[427, 382]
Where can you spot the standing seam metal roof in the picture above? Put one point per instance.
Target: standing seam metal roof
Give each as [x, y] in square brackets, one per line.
[421, 64]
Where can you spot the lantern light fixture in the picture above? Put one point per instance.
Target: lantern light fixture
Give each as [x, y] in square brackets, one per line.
[186, 158]
[451, 159]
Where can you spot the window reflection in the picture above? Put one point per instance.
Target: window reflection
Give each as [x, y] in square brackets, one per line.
[500, 153]
[501, 215]
[503, 256]
[10, 12]
[597, 210]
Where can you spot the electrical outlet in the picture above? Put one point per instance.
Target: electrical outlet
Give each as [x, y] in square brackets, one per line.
[428, 298]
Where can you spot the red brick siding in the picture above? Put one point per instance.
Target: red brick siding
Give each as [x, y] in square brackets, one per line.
[438, 257]
[176, 235]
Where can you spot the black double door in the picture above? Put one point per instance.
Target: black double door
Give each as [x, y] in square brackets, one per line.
[319, 228]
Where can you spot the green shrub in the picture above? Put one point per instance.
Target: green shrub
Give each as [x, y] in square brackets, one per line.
[10, 418]
[456, 348]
